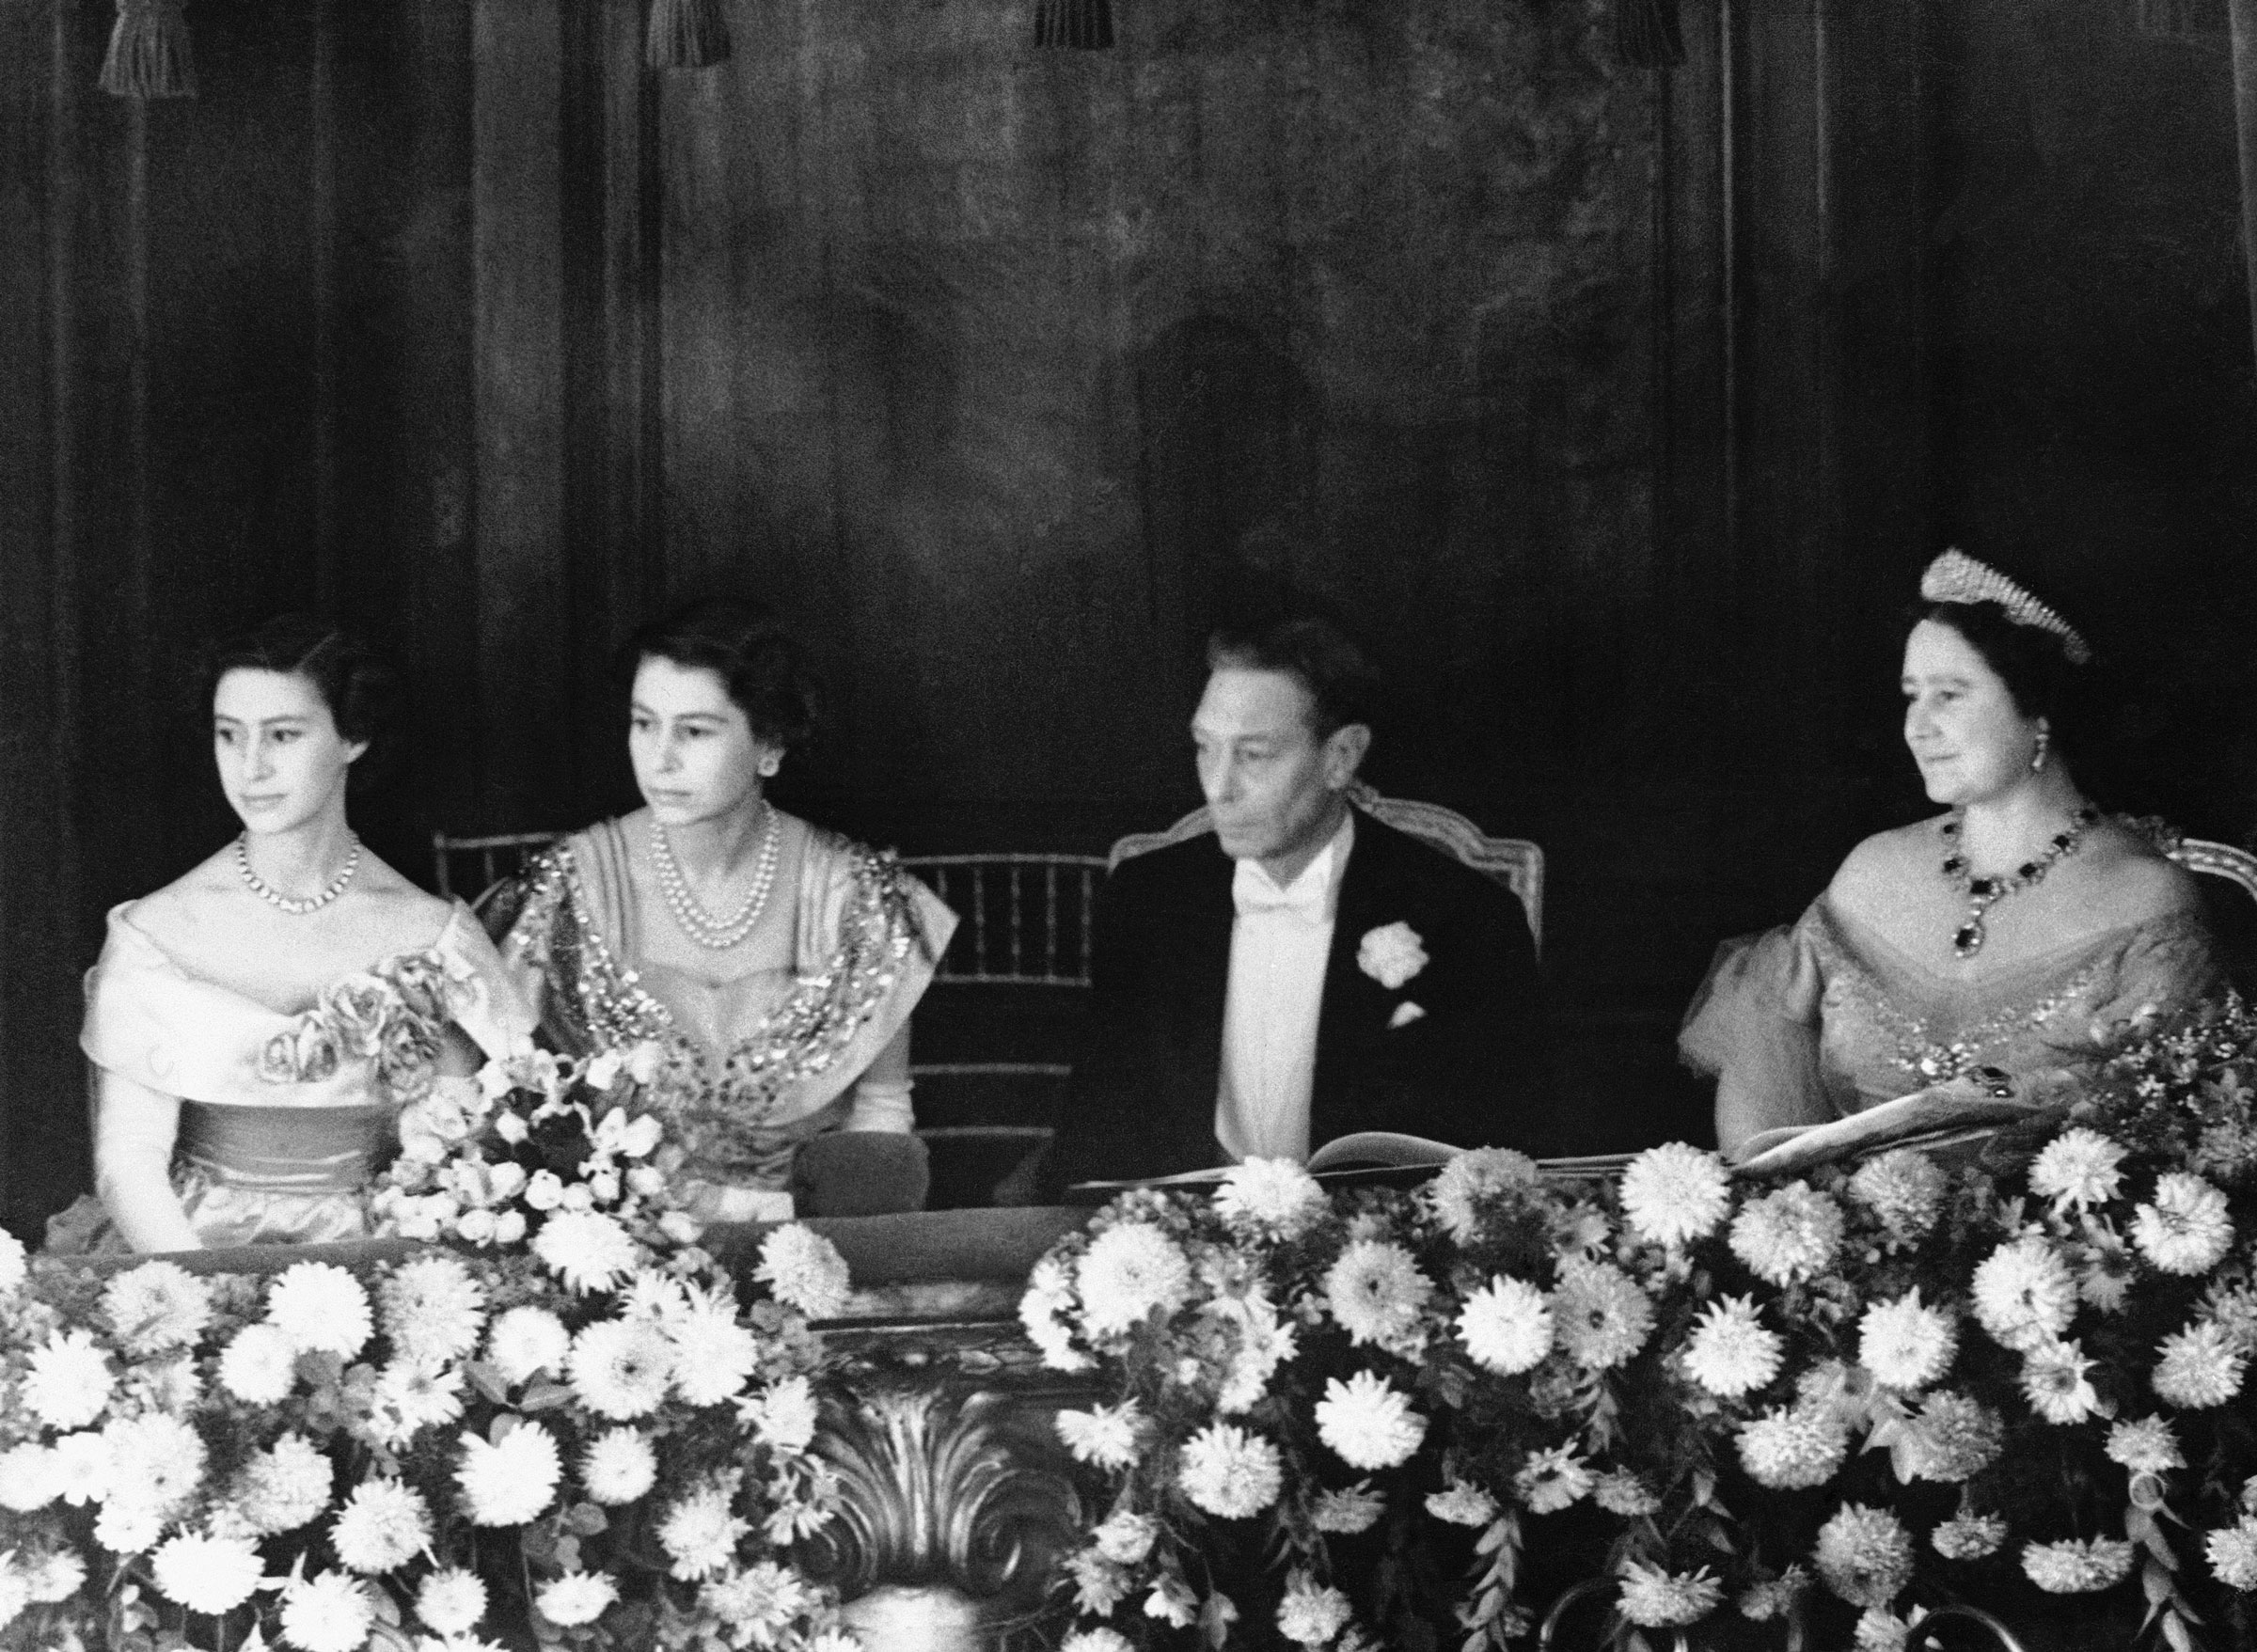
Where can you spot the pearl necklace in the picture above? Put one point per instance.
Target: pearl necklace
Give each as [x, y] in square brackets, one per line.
[282, 903]
[1982, 893]
[715, 934]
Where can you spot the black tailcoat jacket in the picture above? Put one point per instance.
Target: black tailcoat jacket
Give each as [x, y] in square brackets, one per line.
[1469, 1067]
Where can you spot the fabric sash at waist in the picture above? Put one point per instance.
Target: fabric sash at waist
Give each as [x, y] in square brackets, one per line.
[287, 1149]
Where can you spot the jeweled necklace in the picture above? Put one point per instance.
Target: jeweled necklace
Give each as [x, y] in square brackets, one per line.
[716, 934]
[282, 903]
[1982, 893]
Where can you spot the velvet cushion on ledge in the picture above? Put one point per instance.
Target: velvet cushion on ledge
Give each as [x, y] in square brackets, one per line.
[860, 1172]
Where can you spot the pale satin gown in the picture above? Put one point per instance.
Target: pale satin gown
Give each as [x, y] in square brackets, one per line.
[1823, 1019]
[262, 1157]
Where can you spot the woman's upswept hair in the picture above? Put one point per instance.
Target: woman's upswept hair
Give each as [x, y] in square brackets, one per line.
[765, 670]
[355, 682]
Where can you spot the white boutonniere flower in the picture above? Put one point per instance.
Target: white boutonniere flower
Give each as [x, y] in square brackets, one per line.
[1405, 1013]
[1390, 954]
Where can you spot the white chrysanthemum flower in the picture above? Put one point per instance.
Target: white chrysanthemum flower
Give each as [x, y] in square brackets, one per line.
[68, 1380]
[1552, 1479]
[15, 1262]
[129, 1525]
[1654, 1597]
[1674, 1194]
[321, 1308]
[2055, 1383]
[1624, 1493]
[451, 1600]
[1377, 1293]
[55, 1576]
[1367, 1423]
[700, 1531]
[1272, 1197]
[1124, 1536]
[1105, 1436]
[1263, 1345]
[1042, 1311]
[1100, 1585]
[617, 1468]
[510, 1481]
[586, 1248]
[759, 1603]
[327, 1613]
[2186, 1230]
[621, 1368]
[714, 1355]
[1954, 1439]
[784, 1414]
[410, 1398]
[1880, 1630]
[1461, 1504]
[31, 1477]
[433, 1309]
[156, 1306]
[261, 1365]
[82, 1460]
[1905, 1187]
[161, 1457]
[382, 1525]
[1347, 1510]
[1865, 1555]
[1311, 1613]
[1600, 1316]
[1730, 1352]
[1470, 1180]
[1099, 1639]
[526, 1340]
[2147, 1447]
[2078, 1169]
[1906, 1344]
[1789, 1233]
[2231, 1551]
[1127, 1273]
[1506, 1326]
[2198, 1368]
[1792, 1447]
[280, 1488]
[1229, 1472]
[2024, 1295]
[805, 1270]
[577, 1597]
[210, 1575]
[2078, 1566]
[1970, 1536]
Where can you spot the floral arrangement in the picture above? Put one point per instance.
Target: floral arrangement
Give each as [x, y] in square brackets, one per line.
[566, 1427]
[1819, 1410]
[392, 1015]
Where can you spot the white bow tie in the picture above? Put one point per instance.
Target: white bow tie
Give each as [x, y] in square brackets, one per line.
[1252, 892]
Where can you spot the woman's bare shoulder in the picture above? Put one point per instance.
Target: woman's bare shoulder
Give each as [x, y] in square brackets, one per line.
[2130, 881]
[1874, 873]
[191, 904]
[402, 915]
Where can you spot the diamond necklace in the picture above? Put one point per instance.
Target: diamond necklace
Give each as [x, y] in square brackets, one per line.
[282, 903]
[1982, 893]
[716, 934]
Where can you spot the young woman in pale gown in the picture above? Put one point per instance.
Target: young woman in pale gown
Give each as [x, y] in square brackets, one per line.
[255, 1026]
[1992, 953]
[773, 963]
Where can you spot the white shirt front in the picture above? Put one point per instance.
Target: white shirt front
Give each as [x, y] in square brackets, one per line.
[1278, 945]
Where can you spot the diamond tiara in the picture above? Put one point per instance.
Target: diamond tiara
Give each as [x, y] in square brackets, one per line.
[1957, 578]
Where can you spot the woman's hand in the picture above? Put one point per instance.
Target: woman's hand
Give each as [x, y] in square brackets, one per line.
[134, 1129]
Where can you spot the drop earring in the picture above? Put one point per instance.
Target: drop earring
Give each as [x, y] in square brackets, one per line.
[2037, 758]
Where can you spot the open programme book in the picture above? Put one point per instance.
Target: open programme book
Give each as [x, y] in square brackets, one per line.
[1376, 1156]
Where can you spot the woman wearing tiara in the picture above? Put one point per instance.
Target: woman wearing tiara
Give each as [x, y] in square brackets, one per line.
[773, 963]
[256, 1025]
[1967, 960]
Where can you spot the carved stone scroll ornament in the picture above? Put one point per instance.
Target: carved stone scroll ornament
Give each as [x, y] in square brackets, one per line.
[955, 1507]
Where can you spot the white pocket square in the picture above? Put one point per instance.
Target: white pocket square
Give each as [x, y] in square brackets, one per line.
[1405, 1013]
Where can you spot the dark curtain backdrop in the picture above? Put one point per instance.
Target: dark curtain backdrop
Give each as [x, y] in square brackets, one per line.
[1616, 408]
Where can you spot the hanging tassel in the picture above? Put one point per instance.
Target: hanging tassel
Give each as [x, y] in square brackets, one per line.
[148, 56]
[1086, 24]
[1646, 34]
[686, 34]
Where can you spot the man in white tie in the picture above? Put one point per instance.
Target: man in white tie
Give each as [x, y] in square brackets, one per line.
[1306, 970]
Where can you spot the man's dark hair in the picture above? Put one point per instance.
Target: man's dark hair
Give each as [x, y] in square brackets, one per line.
[1343, 688]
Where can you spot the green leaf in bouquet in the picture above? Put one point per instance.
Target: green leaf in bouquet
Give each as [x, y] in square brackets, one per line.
[503, 1426]
[487, 1380]
[545, 1395]
[585, 1519]
[1215, 1618]
[567, 1554]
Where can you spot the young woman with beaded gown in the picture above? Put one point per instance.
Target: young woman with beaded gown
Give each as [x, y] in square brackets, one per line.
[773, 965]
[1983, 960]
[255, 1026]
